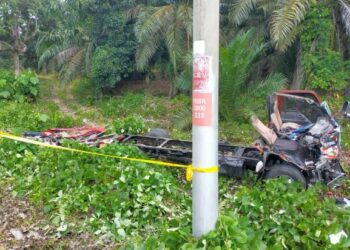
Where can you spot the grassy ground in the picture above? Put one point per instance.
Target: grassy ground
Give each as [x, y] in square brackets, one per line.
[86, 203]
[78, 99]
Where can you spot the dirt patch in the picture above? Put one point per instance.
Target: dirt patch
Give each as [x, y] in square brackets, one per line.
[23, 226]
[62, 95]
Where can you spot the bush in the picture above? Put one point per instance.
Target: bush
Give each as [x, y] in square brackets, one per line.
[130, 125]
[20, 117]
[110, 65]
[239, 96]
[324, 67]
[7, 75]
[25, 87]
[7, 80]
[123, 106]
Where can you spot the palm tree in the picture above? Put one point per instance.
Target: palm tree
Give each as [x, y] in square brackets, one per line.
[68, 50]
[282, 18]
[168, 26]
[18, 27]
[238, 92]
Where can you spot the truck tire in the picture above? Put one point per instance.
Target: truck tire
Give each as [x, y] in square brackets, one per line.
[158, 133]
[288, 171]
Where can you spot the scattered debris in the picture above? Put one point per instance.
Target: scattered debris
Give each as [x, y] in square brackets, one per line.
[17, 233]
[335, 238]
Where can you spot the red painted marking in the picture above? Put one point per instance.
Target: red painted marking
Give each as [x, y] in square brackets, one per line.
[202, 109]
[201, 73]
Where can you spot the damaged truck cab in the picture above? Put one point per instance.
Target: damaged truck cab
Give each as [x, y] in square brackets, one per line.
[302, 140]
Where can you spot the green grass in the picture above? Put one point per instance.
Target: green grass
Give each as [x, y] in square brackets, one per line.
[140, 206]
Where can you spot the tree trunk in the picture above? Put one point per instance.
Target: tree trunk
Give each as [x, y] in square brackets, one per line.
[16, 63]
[172, 91]
[343, 40]
[16, 49]
[298, 76]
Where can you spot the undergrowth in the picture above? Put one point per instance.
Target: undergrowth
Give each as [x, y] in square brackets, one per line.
[20, 117]
[139, 206]
[22, 88]
[147, 207]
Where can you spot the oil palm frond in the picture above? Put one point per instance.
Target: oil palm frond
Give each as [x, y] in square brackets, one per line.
[73, 67]
[65, 55]
[240, 10]
[170, 26]
[285, 19]
[183, 119]
[145, 52]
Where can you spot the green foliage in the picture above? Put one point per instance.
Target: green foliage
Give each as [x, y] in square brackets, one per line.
[7, 75]
[84, 91]
[18, 27]
[324, 67]
[275, 216]
[285, 20]
[142, 206]
[70, 48]
[239, 133]
[169, 25]
[283, 17]
[122, 106]
[26, 84]
[110, 65]
[20, 117]
[24, 87]
[114, 200]
[132, 125]
[238, 96]
[164, 36]
[326, 70]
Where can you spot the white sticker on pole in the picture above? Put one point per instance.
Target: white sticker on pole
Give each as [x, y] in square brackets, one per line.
[201, 86]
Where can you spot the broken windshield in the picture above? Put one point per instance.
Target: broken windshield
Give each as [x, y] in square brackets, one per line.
[298, 109]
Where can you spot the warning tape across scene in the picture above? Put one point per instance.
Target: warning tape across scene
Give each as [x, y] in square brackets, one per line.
[189, 168]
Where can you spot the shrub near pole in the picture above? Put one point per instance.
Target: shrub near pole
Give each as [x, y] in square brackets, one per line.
[205, 114]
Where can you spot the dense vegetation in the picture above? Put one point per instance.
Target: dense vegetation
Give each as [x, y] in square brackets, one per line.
[96, 48]
[138, 206]
[142, 207]
[24, 87]
[305, 43]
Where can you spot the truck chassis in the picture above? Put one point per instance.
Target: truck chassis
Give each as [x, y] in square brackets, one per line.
[233, 160]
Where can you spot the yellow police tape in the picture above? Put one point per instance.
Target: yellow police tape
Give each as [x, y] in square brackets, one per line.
[189, 168]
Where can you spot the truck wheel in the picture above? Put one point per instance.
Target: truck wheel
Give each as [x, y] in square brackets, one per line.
[158, 133]
[288, 171]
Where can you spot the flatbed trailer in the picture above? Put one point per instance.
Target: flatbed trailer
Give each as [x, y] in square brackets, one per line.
[233, 160]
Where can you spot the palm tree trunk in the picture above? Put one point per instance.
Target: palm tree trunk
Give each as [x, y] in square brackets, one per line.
[16, 62]
[16, 48]
[298, 76]
[172, 91]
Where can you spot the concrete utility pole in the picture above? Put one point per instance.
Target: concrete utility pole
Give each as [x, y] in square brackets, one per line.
[205, 115]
